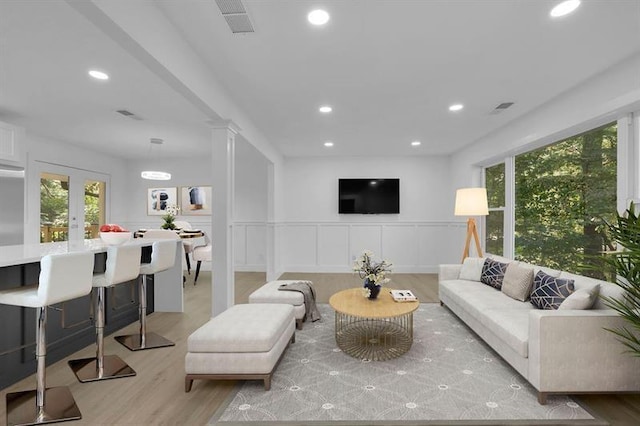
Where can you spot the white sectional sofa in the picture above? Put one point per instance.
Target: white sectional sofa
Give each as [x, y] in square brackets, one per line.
[557, 351]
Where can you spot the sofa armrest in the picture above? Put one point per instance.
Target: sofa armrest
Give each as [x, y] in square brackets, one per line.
[570, 351]
[449, 272]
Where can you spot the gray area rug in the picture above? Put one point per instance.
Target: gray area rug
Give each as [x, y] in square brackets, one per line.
[449, 374]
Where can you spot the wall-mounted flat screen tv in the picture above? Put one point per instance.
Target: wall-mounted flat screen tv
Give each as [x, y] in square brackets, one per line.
[369, 196]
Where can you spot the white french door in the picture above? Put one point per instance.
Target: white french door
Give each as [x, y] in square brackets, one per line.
[72, 202]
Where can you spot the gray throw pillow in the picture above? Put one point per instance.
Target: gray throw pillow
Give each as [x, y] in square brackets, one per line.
[549, 292]
[517, 282]
[583, 298]
[471, 268]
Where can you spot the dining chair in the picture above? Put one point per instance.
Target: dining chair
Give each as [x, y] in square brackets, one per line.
[200, 254]
[188, 245]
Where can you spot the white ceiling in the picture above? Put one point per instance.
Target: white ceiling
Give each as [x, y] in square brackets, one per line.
[390, 69]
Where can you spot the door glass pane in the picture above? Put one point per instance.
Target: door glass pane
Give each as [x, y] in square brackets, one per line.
[563, 193]
[54, 207]
[94, 207]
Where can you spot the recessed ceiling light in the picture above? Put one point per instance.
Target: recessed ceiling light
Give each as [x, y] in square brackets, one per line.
[325, 109]
[318, 17]
[456, 107]
[564, 8]
[328, 144]
[99, 75]
[416, 143]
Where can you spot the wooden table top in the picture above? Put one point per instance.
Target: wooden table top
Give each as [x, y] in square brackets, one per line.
[353, 302]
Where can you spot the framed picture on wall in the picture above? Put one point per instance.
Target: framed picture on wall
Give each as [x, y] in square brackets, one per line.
[158, 199]
[195, 200]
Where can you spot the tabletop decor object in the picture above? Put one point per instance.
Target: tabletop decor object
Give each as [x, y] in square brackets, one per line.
[172, 211]
[373, 273]
[114, 235]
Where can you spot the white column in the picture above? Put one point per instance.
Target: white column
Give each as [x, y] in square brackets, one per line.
[223, 149]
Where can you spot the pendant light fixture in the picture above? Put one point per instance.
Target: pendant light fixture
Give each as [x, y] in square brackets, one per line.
[155, 174]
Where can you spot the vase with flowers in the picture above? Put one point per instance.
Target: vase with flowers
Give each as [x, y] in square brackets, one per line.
[172, 211]
[373, 273]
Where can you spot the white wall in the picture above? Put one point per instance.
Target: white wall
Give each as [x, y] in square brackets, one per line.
[314, 237]
[599, 100]
[311, 187]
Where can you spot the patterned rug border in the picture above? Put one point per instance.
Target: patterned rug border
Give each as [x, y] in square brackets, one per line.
[596, 421]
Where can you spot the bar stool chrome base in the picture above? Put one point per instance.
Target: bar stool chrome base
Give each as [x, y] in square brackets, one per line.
[86, 369]
[60, 406]
[151, 341]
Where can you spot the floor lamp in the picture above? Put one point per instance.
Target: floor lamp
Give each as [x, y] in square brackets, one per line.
[471, 202]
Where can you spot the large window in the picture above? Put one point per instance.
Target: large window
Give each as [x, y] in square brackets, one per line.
[562, 194]
[494, 223]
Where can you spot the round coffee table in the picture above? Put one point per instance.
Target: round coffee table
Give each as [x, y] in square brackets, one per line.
[378, 329]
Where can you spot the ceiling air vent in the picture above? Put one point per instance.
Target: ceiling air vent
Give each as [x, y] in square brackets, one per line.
[501, 107]
[129, 114]
[236, 16]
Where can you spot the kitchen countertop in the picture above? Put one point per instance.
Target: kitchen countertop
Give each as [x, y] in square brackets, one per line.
[31, 253]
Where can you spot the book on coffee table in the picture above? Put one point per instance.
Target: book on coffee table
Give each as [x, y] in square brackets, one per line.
[403, 296]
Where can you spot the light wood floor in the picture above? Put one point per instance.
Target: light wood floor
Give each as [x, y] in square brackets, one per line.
[156, 395]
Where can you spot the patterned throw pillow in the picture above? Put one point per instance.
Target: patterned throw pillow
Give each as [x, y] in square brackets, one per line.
[493, 273]
[549, 292]
[517, 282]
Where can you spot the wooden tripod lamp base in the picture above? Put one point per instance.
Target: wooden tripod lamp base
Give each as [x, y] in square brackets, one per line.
[471, 231]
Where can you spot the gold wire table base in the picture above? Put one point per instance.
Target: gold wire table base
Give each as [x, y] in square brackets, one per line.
[374, 339]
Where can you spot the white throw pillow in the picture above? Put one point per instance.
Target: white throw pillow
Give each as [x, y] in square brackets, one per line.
[517, 282]
[583, 298]
[471, 268]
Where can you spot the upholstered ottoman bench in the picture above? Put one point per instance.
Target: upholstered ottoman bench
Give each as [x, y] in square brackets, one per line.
[245, 342]
[269, 293]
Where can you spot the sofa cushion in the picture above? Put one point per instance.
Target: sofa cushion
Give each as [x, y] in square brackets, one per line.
[476, 298]
[493, 273]
[472, 268]
[517, 282]
[583, 298]
[549, 292]
[511, 326]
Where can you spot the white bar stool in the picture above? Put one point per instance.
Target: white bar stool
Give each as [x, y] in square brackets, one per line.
[62, 277]
[163, 256]
[123, 264]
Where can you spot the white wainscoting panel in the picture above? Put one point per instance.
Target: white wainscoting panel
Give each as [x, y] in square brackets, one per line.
[333, 246]
[400, 246]
[413, 247]
[365, 237]
[298, 247]
[256, 241]
[239, 244]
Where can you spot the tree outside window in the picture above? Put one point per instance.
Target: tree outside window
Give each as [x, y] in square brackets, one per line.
[562, 194]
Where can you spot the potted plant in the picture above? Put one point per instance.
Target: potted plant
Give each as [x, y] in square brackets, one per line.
[172, 211]
[625, 262]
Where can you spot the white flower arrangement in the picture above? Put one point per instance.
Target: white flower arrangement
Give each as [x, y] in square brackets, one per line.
[373, 271]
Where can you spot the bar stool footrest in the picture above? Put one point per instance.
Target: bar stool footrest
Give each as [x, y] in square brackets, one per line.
[86, 370]
[59, 407]
[152, 341]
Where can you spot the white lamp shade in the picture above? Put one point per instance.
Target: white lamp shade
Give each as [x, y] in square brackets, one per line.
[471, 202]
